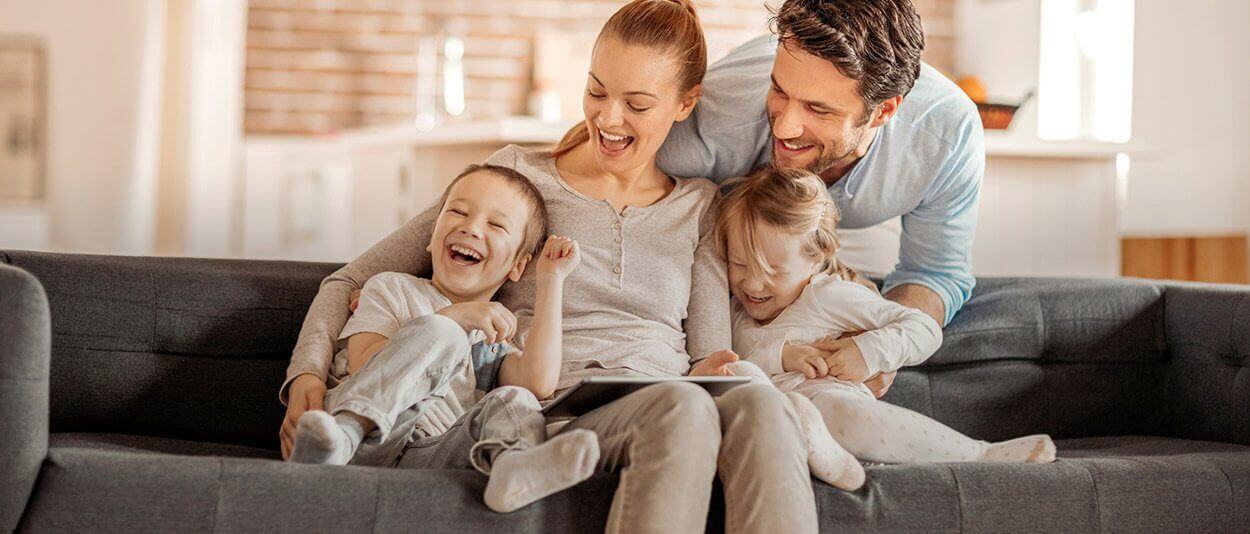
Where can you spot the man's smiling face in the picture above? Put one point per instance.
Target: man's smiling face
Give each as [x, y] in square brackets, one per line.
[818, 119]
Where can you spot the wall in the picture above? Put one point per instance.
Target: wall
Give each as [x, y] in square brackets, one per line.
[103, 103]
[316, 67]
[1190, 112]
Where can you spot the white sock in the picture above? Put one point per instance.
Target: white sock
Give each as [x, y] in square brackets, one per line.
[826, 458]
[520, 477]
[326, 440]
[1031, 449]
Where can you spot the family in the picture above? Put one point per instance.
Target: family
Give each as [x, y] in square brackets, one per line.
[688, 226]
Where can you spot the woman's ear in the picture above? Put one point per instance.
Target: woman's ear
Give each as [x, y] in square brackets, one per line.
[688, 102]
[518, 268]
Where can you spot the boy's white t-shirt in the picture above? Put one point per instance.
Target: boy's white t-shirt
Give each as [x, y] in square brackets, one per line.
[895, 335]
[388, 301]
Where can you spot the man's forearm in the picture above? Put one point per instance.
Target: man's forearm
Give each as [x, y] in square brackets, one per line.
[921, 298]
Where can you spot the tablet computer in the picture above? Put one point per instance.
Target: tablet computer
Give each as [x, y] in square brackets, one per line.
[593, 392]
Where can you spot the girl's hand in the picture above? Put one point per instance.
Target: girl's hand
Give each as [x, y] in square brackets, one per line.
[307, 392]
[560, 256]
[492, 318]
[844, 359]
[806, 359]
[715, 365]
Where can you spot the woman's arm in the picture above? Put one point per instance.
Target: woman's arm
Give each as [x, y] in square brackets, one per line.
[707, 324]
[538, 367]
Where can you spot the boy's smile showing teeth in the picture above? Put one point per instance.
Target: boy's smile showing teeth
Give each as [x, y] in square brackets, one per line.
[463, 255]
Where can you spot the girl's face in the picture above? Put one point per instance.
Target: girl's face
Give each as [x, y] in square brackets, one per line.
[631, 103]
[764, 297]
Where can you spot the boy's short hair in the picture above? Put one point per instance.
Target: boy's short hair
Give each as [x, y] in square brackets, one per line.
[536, 227]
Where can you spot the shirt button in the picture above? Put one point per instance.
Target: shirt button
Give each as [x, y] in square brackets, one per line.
[616, 270]
[617, 225]
[618, 239]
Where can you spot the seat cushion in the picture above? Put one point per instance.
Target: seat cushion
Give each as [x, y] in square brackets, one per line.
[110, 482]
[128, 443]
[1113, 484]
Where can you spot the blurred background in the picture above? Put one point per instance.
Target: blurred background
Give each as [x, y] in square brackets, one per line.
[309, 129]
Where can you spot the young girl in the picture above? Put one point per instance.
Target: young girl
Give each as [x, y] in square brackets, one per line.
[789, 291]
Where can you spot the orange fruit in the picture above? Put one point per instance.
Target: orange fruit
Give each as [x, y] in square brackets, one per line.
[974, 88]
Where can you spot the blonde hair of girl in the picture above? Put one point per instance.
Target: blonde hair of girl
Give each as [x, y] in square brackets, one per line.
[792, 200]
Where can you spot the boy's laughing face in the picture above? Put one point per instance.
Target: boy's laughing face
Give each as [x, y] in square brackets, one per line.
[477, 237]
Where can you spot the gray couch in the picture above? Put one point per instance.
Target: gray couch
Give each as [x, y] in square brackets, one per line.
[139, 394]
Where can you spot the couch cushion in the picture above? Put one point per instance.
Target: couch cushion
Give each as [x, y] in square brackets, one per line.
[128, 443]
[1116, 484]
[91, 489]
[111, 482]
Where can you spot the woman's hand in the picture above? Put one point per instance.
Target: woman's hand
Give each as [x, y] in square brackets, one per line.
[307, 392]
[560, 256]
[492, 318]
[355, 302]
[715, 365]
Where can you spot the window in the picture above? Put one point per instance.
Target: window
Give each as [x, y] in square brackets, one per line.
[1086, 70]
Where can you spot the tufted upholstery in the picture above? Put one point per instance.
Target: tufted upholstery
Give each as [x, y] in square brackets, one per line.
[153, 356]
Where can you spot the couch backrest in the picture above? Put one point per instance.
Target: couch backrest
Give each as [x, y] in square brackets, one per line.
[1069, 357]
[173, 347]
[197, 348]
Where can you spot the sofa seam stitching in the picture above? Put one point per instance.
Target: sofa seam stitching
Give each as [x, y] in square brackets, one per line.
[377, 492]
[959, 497]
[1093, 481]
[221, 467]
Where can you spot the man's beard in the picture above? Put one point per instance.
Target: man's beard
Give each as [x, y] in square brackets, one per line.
[831, 154]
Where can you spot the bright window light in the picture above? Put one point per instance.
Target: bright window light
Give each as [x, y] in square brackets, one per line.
[1086, 79]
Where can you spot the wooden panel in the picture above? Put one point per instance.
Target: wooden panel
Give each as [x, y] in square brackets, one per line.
[1202, 259]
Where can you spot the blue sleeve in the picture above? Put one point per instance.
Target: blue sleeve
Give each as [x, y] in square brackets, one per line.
[727, 135]
[935, 248]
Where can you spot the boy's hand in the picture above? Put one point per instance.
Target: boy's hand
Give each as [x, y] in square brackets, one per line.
[492, 318]
[844, 359]
[806, 359]
[560, 256]
[715, 365]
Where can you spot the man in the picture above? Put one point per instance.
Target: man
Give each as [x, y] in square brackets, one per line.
[840, 90]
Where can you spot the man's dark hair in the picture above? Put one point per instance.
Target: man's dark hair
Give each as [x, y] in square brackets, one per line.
[875, 42]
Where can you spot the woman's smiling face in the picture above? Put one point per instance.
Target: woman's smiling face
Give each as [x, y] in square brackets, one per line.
[631, 102]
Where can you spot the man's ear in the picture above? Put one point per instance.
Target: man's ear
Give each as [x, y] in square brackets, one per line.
[688, 102]
[886, 110]
[518, 268]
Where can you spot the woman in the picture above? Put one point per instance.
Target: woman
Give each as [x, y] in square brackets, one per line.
[649, 298]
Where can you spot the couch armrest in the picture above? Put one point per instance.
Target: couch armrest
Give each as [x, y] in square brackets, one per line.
[25, 345]
[1208, 337]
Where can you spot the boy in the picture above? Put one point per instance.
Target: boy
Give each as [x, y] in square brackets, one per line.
[420, 351]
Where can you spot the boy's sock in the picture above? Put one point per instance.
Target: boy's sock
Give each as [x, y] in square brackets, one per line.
[324, 439]
[520, 477]
[1033, 449]
[826, 458]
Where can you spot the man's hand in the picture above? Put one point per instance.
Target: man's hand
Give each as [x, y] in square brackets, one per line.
[560, 256]
[806, 359]
[881, 383]
[307, 392]
[715, 365]
[492, 318]
[844, 359]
